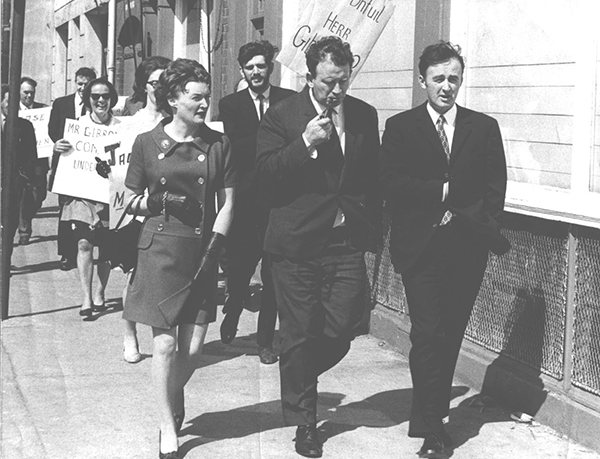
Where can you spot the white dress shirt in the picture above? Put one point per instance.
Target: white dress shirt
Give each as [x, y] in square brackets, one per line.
[266, 93]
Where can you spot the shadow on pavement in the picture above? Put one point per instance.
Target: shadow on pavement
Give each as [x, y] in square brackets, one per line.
[39, 313]
[467, 419]
[39, 267]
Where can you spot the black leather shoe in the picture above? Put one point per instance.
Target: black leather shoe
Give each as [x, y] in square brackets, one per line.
[66, 264]
[307, 441]
[229, 327]
[433, 447]
[85, 312]
[266, 355]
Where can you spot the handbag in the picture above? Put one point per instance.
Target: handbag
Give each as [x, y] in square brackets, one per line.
[119, 245]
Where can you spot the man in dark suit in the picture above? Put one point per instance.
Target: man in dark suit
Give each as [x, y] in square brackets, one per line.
[26, 161]
[443, 173]
[318, 150]
[241, 113]
[63, 108]
[34, 193]
[27, 94]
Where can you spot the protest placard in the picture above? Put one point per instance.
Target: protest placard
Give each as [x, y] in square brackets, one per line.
[358, 22]
[39, 118]
[119, 157]
[76, 172]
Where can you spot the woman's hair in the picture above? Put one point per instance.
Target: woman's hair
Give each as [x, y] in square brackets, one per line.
[114, 97]
[174, 79]
[143, 72]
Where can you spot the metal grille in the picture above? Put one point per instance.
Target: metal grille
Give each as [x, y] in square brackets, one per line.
[521, 308]
[520, 311]
[586, 327]
[386, 285]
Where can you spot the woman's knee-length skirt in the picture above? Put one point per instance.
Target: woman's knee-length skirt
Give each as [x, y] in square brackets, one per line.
[169, 254]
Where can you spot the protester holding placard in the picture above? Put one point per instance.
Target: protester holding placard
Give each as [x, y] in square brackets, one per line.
[144, 120]
[63, 108]
[84, 215]
[181, 164]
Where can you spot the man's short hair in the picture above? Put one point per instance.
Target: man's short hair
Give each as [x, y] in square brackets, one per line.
[86, 72]
[257, 48]
[331, 47]
[437, 53]
[28, 80]
[5, 89]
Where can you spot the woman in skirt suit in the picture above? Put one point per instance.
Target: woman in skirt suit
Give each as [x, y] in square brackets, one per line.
[181, 164]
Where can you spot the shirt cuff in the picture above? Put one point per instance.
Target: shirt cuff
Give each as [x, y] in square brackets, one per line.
[312, 151]
[445, 191]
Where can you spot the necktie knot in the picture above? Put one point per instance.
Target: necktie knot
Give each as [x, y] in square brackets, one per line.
[441, 120]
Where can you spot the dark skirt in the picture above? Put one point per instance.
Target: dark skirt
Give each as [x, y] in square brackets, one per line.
[168, 257]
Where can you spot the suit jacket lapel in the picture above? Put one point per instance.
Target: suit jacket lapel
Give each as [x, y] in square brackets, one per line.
[248, 105]
[462, 131]
[351, 125]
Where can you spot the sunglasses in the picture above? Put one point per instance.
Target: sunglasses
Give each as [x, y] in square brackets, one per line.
[153, 83]
[95, 97]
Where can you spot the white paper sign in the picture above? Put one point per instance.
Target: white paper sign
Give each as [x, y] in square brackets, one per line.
[76, 172]
[119, 159]
[358, 22]
[39, 118]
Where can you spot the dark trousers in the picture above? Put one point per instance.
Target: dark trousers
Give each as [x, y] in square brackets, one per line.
[321, 302]
[67, 245]
[32, 197]
[243, 252]
[441, 289]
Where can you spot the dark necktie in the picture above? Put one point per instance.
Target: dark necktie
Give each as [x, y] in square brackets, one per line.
[334, 156]
[261, 106]
[446, 146]
[82, 110]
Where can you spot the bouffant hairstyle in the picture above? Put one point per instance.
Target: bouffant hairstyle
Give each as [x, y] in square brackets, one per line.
[437, 53]
[143, 72]
[114, 97]
[174, 79]
[331, 47]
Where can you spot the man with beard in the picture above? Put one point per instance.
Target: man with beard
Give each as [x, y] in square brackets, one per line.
[63, 108]
[241, 113]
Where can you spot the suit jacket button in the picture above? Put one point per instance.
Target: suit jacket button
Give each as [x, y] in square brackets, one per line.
[435, 225]
[198, 231]
[201, 181]
[163, 180]
[160, 227]
[446, 175]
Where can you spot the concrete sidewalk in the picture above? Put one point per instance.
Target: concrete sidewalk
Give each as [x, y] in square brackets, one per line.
[67, 393]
